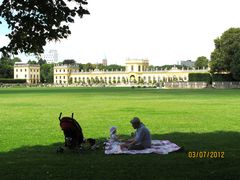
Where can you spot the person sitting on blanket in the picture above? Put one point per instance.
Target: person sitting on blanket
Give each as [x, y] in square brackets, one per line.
[142, 139]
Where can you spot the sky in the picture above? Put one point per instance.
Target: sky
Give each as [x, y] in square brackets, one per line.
[163, 31]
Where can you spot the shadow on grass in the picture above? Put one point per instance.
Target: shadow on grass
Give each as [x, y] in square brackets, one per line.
[42, 162]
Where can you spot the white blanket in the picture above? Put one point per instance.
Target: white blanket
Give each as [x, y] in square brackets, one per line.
[158, 146]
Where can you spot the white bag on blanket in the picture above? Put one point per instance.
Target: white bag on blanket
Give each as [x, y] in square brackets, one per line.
[158, 147]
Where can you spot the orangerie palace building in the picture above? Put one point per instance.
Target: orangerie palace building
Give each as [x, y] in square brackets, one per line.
[136, 72]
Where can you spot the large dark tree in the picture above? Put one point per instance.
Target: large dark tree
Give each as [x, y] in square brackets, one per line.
[226, 56]
[201, 62]
[41, 61]
[7, 66]
[89, 66]
[69, 61]
[46, 73]
[35, 22]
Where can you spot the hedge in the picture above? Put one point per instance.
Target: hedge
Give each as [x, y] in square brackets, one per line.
[222, 77]
[200, 77]
[12, 81]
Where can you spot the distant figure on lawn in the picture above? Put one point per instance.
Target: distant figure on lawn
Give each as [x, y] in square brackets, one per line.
[142, 139]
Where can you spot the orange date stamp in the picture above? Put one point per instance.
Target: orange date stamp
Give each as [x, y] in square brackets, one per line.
[206, 154]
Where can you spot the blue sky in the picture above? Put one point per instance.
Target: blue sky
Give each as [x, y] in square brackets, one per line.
[3, 31]
[164, 31]
[3, 27]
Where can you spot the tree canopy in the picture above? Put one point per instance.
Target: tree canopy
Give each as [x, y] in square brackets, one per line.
[34, 22]
[69, 61]
[201, 62]
[7, 66]
[46, 74]
[32, 62]
[226, 55]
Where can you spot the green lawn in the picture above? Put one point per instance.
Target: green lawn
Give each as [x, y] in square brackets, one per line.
[199, 120]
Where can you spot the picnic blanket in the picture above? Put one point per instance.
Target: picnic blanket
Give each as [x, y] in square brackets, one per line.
[158, 147]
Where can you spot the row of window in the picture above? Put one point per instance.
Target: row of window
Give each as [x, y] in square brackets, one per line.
[60, 77]
[149, 78]
[64, 70]
[139, 68]
[30, 76]
[61, 70]
[60, 82]
[31, 70]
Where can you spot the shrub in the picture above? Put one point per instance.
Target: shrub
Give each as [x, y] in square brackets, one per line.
[197, 77]
[222, 77]
[12, 81]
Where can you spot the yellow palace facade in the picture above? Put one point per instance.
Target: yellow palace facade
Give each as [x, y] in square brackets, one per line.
[136, 72]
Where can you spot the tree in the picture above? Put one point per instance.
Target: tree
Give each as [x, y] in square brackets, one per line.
[7, 66]
[32, 62]
[97, 80]
[46, 73]
[217, 63]
[100, 66]
[41, 62]
[226, 55]
[69, 61]
[17, 59]
[88, 81]
[168, 67]
[151, 68]
[141, 81]
[89, 66]
[81, 66]
[33, 23]
[115, 67]
[201, 62]
[124, 80]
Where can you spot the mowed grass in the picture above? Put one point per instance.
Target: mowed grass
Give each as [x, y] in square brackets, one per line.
[199, 120]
